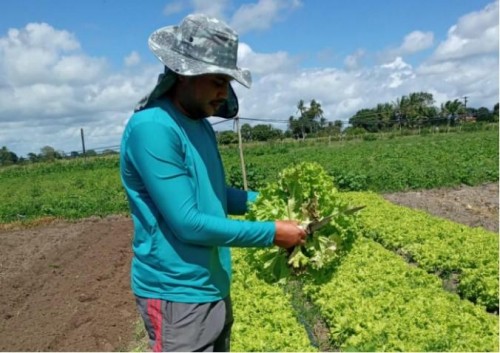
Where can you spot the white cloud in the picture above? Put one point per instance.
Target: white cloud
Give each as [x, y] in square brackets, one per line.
[214, 8]
[132, 59]
[262, 64]
[351, 62]
[173, 7]
[248, 17]
[397, 72]
[341, 93]
[50, 88]
[39, 53]
[474, 34]
[413, 42]
[261, 15]
[397, 64]
[416, 41]
[41, 35]
[476, 77]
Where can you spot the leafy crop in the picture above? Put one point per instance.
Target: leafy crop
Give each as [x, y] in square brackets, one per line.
[264, 317]
[384, 165]
[377, 302]
[437, 245]
[304, 192]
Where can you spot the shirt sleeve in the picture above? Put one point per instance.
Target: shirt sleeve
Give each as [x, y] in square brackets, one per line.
[238, 200]
[157, 153]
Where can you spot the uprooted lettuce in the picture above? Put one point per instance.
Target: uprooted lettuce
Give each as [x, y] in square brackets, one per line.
[304, 192]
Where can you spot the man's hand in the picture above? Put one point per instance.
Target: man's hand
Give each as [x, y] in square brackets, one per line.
[289, 234]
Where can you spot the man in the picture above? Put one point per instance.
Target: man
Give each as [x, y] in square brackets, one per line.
[174, 179]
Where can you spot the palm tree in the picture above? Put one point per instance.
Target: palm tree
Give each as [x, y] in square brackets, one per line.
[452, 109]
[322, 122]
[410, 109]
[401, 110]
[314, 112]
[385, 112]
[301, 108]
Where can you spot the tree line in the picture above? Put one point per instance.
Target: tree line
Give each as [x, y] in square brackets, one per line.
[409, 111]
[46, 154]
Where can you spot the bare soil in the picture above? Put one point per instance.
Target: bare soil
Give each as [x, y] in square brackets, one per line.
[473, 206]
[64, 286]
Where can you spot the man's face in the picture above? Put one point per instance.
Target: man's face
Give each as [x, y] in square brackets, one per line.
[201, 96]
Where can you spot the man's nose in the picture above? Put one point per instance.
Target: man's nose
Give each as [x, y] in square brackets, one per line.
[223, 91]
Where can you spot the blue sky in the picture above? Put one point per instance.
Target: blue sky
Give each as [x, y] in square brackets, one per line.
[66, 65]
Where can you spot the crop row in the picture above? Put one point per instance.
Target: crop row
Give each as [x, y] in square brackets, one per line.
[375, 301]
[69, 194]
[457, 253]
[264, 317]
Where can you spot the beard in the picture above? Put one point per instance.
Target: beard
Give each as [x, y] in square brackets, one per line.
[203, 110]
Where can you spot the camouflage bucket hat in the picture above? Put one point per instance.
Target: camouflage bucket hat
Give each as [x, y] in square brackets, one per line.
[199, 45]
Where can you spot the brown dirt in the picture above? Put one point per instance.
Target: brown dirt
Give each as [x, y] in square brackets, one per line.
[474, 206]
[65, 285]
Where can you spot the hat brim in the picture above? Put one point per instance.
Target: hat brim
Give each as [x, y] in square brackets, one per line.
[160, 43]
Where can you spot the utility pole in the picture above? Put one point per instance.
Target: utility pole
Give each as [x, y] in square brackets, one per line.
[83, 142]
[465, 102]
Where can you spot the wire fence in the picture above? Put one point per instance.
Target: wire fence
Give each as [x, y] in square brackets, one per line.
[381, 124]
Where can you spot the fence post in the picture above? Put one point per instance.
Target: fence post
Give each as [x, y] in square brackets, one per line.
[242, 160]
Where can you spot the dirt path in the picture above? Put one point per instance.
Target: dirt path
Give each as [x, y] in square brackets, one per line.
[65, 286]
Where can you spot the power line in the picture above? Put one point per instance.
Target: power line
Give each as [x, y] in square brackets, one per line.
[220, 122]
[421, 120]
[265, 120]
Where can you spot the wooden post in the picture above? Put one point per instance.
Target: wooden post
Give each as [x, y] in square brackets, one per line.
[240, 145]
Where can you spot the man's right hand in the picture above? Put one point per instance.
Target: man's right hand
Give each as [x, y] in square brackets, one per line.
[289, 234]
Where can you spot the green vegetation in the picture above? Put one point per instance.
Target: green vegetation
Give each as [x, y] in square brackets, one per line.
[377, 302]
[371, 297]
[405, 115]
[305, 193]
[264, 317]
[84, 187]
[406, 282]
[457, 253]
[383, 165]
[61, 189]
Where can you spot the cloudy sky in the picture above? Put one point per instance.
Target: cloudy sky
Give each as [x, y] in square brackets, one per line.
[71, 65]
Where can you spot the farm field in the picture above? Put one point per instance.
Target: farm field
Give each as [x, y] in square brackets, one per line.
[65, 283]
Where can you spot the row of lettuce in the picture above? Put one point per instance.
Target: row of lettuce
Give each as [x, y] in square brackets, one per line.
[375, 300]
[454, 252]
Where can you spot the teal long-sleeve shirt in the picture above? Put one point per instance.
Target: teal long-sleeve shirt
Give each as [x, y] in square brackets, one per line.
[174, 180]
